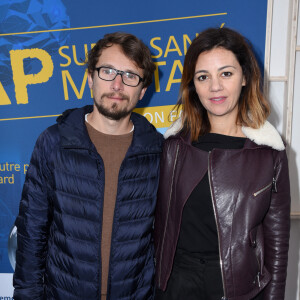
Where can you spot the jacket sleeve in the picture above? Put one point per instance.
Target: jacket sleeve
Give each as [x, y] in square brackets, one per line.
[276, 230]
[32, 226]
[164, 188]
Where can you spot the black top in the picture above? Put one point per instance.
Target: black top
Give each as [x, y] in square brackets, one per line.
[198, 232]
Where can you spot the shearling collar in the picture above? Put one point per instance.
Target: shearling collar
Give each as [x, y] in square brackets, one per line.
[265, 135]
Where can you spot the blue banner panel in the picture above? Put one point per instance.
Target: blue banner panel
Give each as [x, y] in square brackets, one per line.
[43, 44]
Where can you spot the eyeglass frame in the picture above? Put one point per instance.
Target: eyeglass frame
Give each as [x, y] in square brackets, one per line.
[119, 72]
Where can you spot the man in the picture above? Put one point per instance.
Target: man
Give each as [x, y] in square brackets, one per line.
[86, 214]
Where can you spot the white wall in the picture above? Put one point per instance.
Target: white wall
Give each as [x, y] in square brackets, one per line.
[283, 89]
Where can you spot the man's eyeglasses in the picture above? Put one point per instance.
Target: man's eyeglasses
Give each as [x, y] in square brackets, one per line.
[128, 78]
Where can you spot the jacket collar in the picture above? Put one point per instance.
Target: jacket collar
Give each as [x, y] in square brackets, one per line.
[72, 128]
[74, 134]
[266, 135]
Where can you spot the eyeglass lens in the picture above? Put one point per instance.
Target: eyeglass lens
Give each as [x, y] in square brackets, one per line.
[110, 74]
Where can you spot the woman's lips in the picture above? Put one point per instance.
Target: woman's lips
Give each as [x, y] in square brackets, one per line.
[218, 99]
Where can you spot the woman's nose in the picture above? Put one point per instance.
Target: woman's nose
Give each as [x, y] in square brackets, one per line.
[216, 84]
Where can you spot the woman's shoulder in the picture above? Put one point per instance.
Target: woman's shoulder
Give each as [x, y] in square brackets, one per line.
[174, 129]
[172, 141]
[265, 135]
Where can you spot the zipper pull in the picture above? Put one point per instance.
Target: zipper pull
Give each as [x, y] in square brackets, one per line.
[274, 186]
[258, 281]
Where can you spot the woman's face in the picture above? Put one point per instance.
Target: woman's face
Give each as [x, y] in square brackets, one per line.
[218, 80]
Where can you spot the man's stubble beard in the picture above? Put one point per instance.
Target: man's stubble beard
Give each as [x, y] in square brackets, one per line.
[112, 112]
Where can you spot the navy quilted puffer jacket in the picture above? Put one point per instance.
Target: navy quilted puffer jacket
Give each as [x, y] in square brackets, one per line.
[60, 217]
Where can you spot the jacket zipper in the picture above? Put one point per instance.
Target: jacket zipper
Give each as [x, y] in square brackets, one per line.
[214, 207]
[274, 186]
[264, 188]
[169, 203]
[100, 163]
[108, 289]
[258, 274]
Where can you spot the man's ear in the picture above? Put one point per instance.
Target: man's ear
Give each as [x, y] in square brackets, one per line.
[90, 80]
[142, 93]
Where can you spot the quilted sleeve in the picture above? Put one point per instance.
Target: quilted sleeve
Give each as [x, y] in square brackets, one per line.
[33, 225]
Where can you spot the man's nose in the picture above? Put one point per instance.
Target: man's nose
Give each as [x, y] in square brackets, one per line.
[117, 84]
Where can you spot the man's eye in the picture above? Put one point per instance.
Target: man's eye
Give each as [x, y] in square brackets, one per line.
[107, 71]
[131, 76]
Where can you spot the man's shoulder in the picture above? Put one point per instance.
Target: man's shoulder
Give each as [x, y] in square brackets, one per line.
[139, 119]
[145, 135]
[73, 115]
[143, 124]
[49, 137]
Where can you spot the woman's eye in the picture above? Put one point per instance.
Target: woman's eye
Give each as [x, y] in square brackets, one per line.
[202, 77]
[226, 74]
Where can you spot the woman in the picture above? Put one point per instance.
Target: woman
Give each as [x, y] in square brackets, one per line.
[222, 218]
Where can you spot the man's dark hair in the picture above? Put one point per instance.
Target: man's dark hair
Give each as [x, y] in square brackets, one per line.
[132, 47]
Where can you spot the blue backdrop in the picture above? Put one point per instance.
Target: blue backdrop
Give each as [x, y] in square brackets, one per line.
[42, 48]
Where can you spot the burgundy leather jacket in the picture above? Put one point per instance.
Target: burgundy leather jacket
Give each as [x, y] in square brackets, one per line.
[251, 200]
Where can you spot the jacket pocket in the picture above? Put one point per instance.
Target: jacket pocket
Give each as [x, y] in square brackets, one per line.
[263, 189]
[257, 243]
